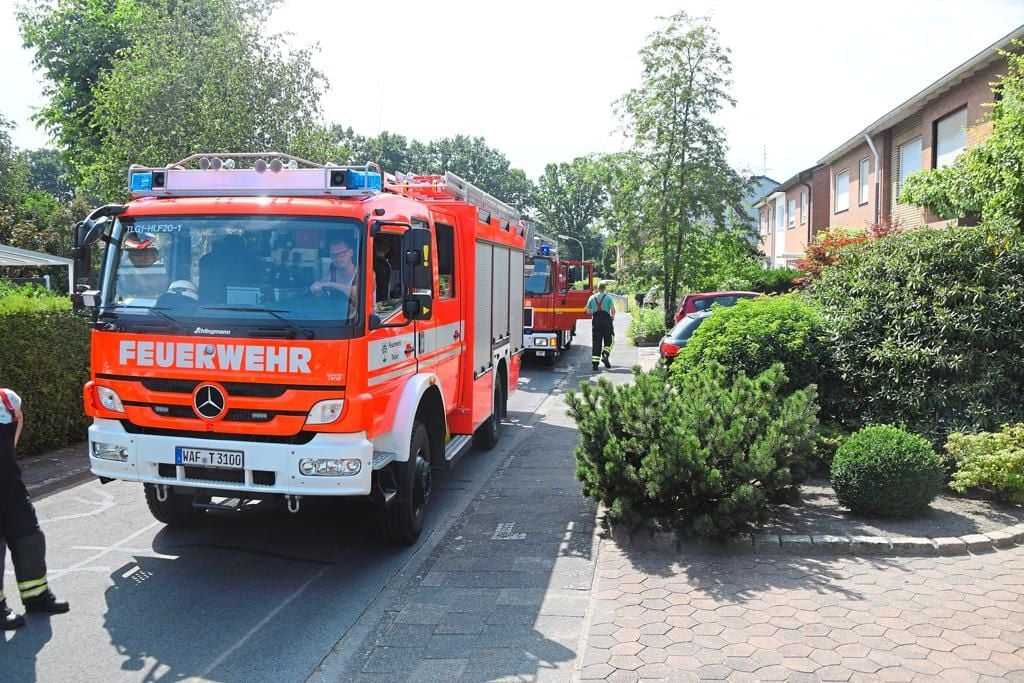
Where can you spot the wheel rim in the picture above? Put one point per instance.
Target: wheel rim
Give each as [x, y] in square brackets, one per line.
[421, 484]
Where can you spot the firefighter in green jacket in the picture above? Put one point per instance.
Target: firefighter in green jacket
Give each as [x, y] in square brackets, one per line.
[601, 306]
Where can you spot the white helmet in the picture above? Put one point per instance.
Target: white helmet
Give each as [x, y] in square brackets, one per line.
[184, 288]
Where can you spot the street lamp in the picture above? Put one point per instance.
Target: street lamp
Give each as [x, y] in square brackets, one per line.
[567, 237]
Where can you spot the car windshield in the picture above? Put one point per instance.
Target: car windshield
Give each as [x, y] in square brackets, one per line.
[685, 328]
[296, 268]
[537, 276]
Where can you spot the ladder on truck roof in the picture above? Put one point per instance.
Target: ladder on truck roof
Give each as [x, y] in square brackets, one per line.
[451, 185]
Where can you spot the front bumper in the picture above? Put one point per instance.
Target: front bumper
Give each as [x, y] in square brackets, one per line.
[150, 459]
[541, 343]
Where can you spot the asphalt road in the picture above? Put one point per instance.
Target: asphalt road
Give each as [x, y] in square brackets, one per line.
[260, 596]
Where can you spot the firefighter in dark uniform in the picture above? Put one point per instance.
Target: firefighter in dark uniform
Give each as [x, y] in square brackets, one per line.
[19, 528]
[602, 308]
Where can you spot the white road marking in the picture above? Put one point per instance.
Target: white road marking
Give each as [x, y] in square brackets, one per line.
[145, 552]
[504, 533]
[98, 555]
[263, 622]
[100, 505]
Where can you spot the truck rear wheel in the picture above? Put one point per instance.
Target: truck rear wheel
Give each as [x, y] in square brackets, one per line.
[177, 510]
[403, 519]
[487, 434]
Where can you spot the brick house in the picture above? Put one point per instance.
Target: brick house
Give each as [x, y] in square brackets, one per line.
[788, 218]
[858, 182]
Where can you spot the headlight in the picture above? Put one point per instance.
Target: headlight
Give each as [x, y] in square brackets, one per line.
[109, 451]
[540, 342]
[330, 467]
[325, 412]
[109, 399]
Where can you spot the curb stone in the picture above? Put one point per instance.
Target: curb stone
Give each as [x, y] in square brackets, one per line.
[827, 544]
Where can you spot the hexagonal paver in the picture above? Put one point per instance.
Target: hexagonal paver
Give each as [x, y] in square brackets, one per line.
[633, 648]
[626, 662]
[708, 629]
[626, 635]
[653, 655]
[655, 593]
[595, 672]
[657, 641]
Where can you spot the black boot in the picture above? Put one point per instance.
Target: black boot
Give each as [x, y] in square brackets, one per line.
[595, 365]
[8, 619]
[47, 602]
[607, 363]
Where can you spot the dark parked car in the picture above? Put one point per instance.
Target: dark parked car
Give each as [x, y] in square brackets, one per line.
[692, 303]
[673, 342]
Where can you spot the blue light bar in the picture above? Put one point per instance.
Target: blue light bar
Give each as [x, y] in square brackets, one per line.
[142, 182]
[358, 180]
[545, 250]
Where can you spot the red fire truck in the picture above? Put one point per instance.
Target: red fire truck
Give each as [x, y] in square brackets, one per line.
[266, 328]
[556, 293]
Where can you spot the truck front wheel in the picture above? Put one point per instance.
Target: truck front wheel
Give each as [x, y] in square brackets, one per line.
[404, 517]
[176, 510]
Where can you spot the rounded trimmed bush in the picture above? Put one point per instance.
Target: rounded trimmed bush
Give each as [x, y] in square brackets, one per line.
[883, 470]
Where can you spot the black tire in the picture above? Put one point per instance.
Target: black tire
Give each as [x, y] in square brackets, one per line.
[403, 519]
[489, 432]
[177, 510]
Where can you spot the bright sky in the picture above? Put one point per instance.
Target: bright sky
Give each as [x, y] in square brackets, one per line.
[537, 78]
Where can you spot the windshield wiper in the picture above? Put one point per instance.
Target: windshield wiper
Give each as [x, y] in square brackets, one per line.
[159, 311]
[308, 334]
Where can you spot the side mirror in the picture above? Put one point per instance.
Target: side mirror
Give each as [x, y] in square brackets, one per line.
[418, 306]
[418, 261]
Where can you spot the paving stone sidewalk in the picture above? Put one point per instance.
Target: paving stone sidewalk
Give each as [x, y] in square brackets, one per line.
[665, 616]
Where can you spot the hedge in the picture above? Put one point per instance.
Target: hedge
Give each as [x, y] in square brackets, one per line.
[44, 357]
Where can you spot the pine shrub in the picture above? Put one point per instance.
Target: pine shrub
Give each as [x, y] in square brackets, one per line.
[703, 456]
[882, 470]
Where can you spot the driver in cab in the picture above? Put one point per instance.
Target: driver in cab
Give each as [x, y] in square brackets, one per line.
[341, 276]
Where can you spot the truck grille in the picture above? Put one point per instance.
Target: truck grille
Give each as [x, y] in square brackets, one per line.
[187, 386]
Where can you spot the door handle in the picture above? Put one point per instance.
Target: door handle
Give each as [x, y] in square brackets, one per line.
[457, 335]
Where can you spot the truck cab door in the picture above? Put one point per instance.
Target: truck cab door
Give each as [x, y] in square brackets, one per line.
[575, 285]
[440, 339]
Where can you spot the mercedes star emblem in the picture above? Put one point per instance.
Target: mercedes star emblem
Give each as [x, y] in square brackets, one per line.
[209, 402]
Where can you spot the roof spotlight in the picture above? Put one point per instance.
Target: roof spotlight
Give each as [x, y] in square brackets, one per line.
[229, 164]
[292, 164]
[216, 163]
[276, 165]
[260, 166]
[204, 163]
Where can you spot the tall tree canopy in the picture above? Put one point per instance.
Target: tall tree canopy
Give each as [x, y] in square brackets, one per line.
[167, 79]
[675, 179]
[570, 198]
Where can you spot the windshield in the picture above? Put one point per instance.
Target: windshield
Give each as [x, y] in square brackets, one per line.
[685, 328]
[296, 268]
[537, 276]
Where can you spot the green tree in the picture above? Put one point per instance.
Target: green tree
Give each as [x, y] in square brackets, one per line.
[13, 170]
[676, 176]
[47, 174]
[484, 166]
[986, 181]
[75, 43]
[570, 199]
[201, 76]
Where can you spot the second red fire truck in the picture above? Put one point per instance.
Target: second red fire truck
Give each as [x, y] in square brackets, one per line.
[556, 293]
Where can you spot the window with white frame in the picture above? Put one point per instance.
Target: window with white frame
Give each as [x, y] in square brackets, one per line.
[764, 222]
[842, 191]
[910, 158]
[791, 213]
[803, 208]
[862, 181]
[950, 137]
